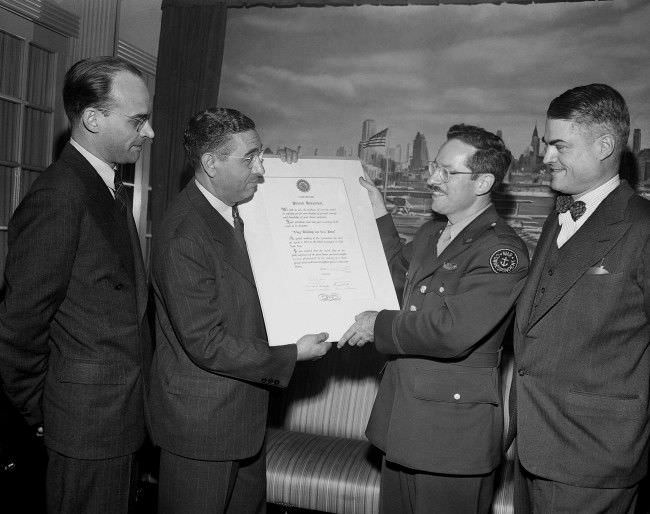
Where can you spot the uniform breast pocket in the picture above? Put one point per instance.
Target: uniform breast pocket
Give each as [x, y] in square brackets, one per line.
[476, 386]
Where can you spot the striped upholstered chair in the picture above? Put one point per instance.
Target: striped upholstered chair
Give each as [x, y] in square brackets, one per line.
[317, 455]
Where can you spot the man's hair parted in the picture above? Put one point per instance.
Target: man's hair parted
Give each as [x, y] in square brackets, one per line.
[211, 129]
[88, 83]
[597, 107]
[491, 154]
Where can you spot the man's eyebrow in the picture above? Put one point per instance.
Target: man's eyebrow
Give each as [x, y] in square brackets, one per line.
[140, 117]
[553, 142]
[254, 151]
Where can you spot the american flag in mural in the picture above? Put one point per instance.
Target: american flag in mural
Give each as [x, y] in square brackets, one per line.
[379, 139]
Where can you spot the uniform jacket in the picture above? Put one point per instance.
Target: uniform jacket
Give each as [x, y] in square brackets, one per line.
[212, 365]
[438, 407]
[74, 344]
[582, 358]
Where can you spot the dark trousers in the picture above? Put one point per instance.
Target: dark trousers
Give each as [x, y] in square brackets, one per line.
[80, 486]
[407, 491]
[190, 486]
[536, 495]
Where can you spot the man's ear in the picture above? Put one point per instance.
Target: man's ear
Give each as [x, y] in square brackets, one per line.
[210, 164]
[605, 146]
[90, 118]
[483, 184]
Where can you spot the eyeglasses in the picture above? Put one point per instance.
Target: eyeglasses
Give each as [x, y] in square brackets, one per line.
[444, 173]
[137, 122]
[250, 159]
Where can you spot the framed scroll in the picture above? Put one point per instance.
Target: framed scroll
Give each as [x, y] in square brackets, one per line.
[315, 249]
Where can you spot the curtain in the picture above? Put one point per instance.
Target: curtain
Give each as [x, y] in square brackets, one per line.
[190, 53]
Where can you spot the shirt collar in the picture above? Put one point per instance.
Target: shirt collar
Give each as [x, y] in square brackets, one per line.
[218, 205]
[457, 228]
[104, 170]
[592, 200]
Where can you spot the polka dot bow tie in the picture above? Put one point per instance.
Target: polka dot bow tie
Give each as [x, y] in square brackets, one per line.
[565, 203]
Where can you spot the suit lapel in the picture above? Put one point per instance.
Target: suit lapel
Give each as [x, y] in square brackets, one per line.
[587, 247]
[222, 232]
[141, 282]
[100, 202]
[547, 238]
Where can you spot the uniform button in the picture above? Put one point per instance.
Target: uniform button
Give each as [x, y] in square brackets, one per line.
[276, 382]
[406, 274]
[494, 224]
[423, 289]
[413, 308]
[550, 271]
[456, 396]
[118, 287]
[542, 290]
[441, 289]
[521, 372]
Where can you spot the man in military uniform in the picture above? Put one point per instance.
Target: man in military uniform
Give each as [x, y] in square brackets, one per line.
[438, 414]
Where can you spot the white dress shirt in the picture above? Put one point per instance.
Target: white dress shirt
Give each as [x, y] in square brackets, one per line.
[219, 206]
[592, 199]
[106, 171]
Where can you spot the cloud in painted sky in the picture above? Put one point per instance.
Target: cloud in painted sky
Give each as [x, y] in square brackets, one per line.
[311, 76]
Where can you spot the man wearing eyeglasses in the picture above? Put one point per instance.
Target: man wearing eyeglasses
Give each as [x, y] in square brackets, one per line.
[74, 344]
[438, 414]
[213, 368]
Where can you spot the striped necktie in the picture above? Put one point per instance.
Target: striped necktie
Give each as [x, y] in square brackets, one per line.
[120, 194]
[239, 226]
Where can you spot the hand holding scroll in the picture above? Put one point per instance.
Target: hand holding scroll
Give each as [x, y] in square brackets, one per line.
[287, 154]
[313, 346]
[376, 198]
[362, 330]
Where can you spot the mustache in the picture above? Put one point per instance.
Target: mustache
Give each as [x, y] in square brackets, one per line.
[436, 189]
[548, 168]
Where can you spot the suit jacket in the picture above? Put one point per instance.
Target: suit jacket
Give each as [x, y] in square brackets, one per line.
[438, 408]
[74, 345]
[212, 365]
[582, 358]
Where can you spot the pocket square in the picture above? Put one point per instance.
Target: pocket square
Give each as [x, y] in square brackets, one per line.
[597, 270]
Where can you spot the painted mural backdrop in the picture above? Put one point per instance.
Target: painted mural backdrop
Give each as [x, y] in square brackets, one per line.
[328, 80]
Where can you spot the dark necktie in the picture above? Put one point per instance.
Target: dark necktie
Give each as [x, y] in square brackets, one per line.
[120, 194]
[239, 226]
[565, 203]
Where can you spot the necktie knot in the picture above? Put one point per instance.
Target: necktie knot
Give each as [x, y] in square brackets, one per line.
[565, 203]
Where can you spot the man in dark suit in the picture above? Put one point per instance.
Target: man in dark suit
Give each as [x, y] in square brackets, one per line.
[438, 416]
[582, 355]
[212, 366]
[74, 345]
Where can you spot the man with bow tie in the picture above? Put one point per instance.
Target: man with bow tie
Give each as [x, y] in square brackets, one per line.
[582, 356]
[438, 417]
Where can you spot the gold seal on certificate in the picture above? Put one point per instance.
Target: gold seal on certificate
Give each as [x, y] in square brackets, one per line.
[315, 249]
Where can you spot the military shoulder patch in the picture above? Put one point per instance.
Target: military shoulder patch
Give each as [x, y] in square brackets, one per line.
[504, 261]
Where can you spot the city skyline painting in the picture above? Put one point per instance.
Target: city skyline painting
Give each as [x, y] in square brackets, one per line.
[310, 77]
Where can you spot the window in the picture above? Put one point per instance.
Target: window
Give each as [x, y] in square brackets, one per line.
[31, 115]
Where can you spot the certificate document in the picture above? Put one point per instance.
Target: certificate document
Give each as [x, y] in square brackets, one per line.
[315, 248]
